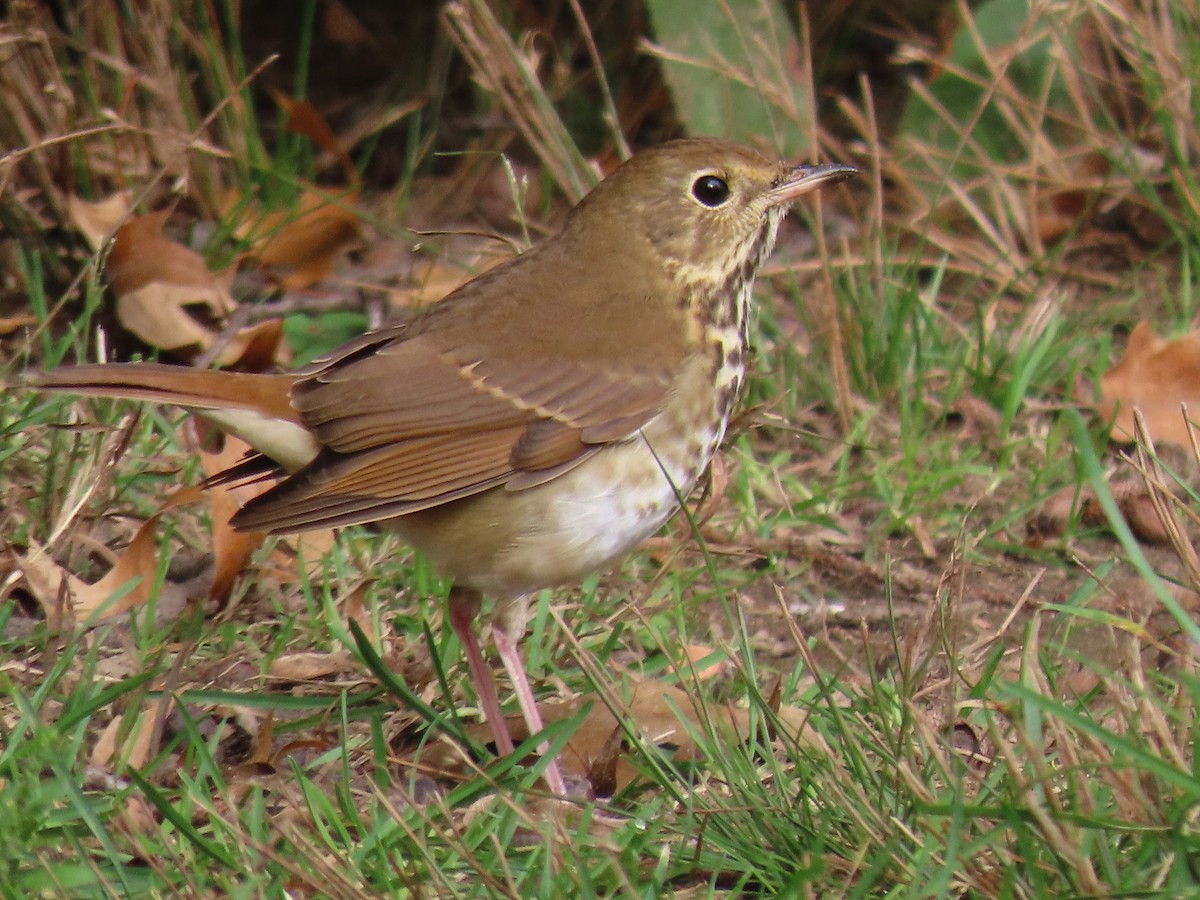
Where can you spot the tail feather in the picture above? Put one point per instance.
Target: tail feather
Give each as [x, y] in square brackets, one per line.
[257, 408]
[177, 385]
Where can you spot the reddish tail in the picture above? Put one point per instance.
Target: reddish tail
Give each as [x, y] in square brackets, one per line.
[267, 395]
[257, 408]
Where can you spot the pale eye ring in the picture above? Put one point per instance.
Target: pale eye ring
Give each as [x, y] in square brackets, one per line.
[710, 190]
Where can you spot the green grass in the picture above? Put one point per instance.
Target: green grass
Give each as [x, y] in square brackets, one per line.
[933, 702]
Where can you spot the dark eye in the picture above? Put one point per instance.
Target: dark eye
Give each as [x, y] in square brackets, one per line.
[710, 190]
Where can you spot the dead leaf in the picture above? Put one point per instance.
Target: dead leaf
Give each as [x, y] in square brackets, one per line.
[310, 665]
[714, 492]
[141, 747]
[696, 653]
[265, 741]
[138, 563]
[304, 241]
[1079, 175]
[12, 323]
[356, 609]
[155, 278]
[666, 717]
[98, 221]
[341, 27]
[257, 348]
[137, 815]
[305, 120]
[156, 314]
[309, 547]
[1156, 377]
[232, 549]
[142, 255]
[602, 771]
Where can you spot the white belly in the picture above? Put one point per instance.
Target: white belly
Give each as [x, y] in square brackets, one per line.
[508, 543]
[590, 523]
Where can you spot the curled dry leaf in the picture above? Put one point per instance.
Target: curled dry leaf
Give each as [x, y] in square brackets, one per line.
[340, 26]
[155, 278]
[303, 242]
[304, 119]
[1080, 174]
[257, 348]
[138, 564]
[665, 715]
[156, 314]
[143, 256]
[11, 323]
[142, 747]
[714, 492]
[1156, 377]
[306, 240]
[356, 609]
[98, 221]
[137, 816]
[308, 666]
[231, 548]
[604, 767]
[308, 547]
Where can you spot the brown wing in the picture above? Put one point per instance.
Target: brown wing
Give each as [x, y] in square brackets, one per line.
[409, 422]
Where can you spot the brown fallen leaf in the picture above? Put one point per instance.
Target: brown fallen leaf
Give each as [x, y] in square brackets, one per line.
[132, 577]
[232, 549]
[1156, 377]
[305, 241]
[356, 609]
[1082, 173]
[155, 279]
[97, 221]
[257, 348]
[697, 653]
[308, 666]
[344, 29]
[604, 766]
[308, 547]
[714, 492]
[142, 255]
[304, 119]
[140, 743]
[11, 323]
[137, 816]
[666, 717]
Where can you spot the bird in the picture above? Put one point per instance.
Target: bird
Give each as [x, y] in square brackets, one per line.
[537, 423]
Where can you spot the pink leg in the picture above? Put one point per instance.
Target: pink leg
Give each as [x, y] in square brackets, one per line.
[464, 606]
[510, 655]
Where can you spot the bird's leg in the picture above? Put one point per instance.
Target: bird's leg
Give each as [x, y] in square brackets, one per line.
[503, 632]
[463, 605]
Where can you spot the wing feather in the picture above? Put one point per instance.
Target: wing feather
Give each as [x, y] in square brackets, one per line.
[411, 419]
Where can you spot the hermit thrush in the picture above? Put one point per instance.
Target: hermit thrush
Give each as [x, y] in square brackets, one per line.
[541, 420]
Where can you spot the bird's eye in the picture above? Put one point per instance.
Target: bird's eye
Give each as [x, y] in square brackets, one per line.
[710, 190]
